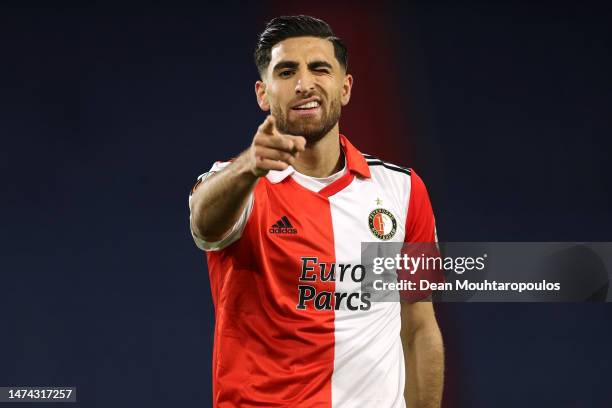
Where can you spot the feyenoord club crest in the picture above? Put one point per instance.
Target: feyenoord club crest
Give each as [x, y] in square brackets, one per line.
[382, 224]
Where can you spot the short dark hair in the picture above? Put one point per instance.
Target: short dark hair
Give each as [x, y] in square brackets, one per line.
[281, 28]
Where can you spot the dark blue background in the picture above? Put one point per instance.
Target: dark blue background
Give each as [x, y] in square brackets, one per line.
[108, 115]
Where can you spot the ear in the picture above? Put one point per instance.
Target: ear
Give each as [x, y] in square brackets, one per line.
[346, 89]
[262, 97]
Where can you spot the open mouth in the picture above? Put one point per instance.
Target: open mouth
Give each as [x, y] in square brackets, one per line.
[307, 107]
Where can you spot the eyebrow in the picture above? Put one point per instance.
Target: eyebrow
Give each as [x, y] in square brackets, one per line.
[293, 64]
[319, 64]
[285, 64]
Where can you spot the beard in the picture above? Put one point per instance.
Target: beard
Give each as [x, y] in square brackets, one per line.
[311, 130]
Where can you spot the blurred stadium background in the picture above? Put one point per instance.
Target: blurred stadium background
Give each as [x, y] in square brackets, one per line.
[108, 114]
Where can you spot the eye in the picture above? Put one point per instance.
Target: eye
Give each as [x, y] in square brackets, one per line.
[322, 70]
[285, 74]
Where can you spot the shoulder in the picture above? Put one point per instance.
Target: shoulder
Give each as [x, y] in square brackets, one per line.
[394, 180]
[388, 174]
[381, 166]
[403, 180]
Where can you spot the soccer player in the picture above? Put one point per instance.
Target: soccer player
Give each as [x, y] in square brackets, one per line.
[282, 226]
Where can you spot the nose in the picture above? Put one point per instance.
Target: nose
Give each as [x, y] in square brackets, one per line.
[305, 83]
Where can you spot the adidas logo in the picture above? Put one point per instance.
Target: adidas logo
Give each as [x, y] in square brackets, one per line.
[283, 226]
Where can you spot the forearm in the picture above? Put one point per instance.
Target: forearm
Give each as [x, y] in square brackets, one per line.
[424, 358]
[217, 203]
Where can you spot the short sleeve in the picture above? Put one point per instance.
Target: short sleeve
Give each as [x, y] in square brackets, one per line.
[420, 222]
[421, 238]
[236, 231]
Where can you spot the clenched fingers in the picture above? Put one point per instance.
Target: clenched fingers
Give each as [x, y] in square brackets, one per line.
[269, 164]
[274, 154]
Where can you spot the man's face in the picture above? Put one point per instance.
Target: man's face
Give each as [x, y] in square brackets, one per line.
[304, 87]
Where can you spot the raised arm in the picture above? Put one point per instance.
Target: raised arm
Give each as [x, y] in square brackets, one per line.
[217, 203]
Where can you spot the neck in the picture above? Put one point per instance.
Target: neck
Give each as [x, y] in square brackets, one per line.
[322, 158]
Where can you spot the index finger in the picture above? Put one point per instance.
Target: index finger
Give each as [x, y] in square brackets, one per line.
[268, 125]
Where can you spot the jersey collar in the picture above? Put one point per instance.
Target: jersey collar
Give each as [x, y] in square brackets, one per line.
[355, 163]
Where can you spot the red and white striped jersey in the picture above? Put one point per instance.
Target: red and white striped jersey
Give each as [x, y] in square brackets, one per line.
[278, 341]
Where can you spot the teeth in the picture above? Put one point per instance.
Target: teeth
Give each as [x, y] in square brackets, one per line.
[309, 105]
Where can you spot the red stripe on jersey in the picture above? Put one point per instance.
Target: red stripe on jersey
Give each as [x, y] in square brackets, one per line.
[421, 233]
[337, 185]
[355, 164]
[420, 223]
